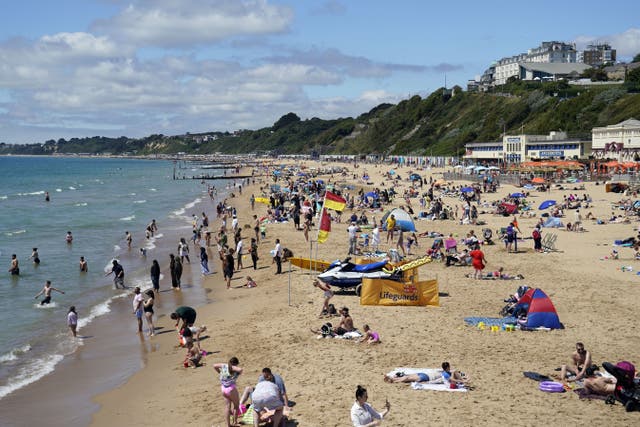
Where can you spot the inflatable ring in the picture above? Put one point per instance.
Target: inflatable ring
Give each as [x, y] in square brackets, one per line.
[551, 387]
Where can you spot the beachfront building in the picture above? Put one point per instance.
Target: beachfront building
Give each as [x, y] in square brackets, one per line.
[547, 53]
[617, 142]
[597, 54]
[551, 71]
[521, 148]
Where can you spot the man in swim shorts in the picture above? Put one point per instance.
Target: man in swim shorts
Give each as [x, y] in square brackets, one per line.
[46, 290]
[580, 361]
[138, 307]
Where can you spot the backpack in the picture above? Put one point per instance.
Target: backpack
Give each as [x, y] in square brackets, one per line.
[535, 234]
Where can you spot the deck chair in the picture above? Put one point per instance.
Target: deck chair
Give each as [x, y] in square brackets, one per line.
[549, 242]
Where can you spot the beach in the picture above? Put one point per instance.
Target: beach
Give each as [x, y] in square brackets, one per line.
[269, 326]
[594, 298]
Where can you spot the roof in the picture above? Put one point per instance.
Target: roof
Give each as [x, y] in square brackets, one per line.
[555, 67]
[629, 123]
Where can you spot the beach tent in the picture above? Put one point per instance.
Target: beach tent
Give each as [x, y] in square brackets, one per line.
[467, 190]
[371, 194]
[516, 195]
[541, 311]
[553, 222]
[404, 221]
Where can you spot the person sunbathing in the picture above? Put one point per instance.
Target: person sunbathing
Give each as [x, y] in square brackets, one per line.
[603, 386]
[420, 377]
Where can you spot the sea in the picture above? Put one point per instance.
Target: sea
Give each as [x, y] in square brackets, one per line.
[98, 200]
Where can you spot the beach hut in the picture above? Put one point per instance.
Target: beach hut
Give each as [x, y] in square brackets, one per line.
[404, 221]
[541, 312]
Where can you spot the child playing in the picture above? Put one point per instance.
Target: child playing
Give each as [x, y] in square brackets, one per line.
[250, 283]
[193, 355]
[371, 337]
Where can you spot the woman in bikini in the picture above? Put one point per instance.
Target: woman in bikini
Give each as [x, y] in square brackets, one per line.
[229, 372]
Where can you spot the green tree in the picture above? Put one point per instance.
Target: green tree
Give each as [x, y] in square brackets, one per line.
[286, 120]
[633, 76]
[636, 58]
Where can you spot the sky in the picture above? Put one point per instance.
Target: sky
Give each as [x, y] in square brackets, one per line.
[78, 68]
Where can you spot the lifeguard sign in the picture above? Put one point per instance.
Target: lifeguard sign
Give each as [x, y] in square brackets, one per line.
[391, 292]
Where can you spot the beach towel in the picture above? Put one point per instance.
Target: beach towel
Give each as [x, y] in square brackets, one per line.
[432, 372]
[349, 335]
[536, 376]
[490, 321]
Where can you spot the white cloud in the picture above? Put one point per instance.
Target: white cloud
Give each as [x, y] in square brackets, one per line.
[170, 23]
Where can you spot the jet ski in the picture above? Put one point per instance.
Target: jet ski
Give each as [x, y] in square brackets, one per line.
[347, 275]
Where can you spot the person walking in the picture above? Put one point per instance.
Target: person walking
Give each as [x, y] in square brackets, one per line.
[277, 256]
[239, 254]
[253, 249]
[155, 275]
[72, 320]
[204, 261]
[118, 274]
[172, 269]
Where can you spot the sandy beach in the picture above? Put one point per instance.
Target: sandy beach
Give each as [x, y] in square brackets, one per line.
[595, 300]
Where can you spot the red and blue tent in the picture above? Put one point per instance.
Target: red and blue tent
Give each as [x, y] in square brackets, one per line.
[541, 312]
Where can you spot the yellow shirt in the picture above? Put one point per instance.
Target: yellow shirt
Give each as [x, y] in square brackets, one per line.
[391, 223]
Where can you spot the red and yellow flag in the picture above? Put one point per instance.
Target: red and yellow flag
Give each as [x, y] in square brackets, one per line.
[333, 201]
[325, 227]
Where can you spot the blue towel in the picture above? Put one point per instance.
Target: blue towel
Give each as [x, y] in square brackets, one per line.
[490, 321]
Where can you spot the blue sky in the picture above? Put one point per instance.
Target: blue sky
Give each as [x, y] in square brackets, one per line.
[137, 67]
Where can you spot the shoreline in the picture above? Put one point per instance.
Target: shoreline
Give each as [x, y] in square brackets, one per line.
[593, 297]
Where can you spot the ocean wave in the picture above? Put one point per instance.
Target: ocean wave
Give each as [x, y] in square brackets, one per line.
[35, 193]
[179, 212]
[31, 373]
[192, 204]
[72, 188]
[3, 197]
[81, 204]
[15, 353]
[149, 245]
[97, 311]
[128, 218]
[116, 248]
[46, 306]
[132, 194]
[139, 201]
[152, 189]
[11, 233]
[58, 190]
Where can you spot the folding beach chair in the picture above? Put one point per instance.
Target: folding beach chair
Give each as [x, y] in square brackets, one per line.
[549, 242]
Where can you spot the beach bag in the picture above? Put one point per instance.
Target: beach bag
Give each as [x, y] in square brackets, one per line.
[325, 330]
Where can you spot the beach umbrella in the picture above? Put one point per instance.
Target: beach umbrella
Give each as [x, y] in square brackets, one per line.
[479, 168]
[301, 173]
[547, 203]
[371, 194]
[458, 167]
[538, 180]
[493, 168]
[517, 195]
[415, 177]
[467, 189]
